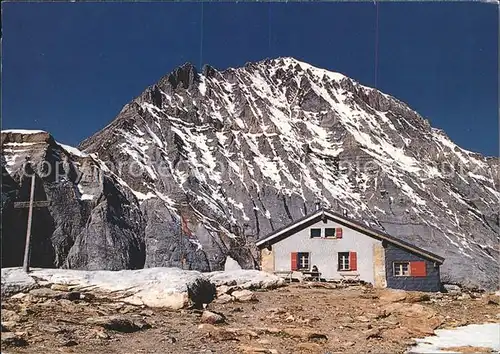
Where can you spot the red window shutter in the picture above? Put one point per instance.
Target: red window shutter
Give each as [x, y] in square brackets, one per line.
[353, 261]
[418, 269]
[338, 232]
[293, 260]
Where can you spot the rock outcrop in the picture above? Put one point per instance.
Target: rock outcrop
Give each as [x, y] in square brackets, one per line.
[170, 288]
[94, 222]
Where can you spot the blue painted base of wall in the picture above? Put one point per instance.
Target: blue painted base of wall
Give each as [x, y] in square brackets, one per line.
[429, 283]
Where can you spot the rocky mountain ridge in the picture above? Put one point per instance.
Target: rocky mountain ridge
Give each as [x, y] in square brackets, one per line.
[241, 152]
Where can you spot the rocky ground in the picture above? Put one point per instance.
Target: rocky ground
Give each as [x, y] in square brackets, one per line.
[308, 318]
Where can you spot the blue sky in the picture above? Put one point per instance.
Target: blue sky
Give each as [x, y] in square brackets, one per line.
[69, 68]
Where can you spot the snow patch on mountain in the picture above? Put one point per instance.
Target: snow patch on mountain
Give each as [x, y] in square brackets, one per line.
[72, 150]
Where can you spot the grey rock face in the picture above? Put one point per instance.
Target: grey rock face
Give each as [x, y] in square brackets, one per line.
[113, 237]
[165, 245]
[93, 222]
[241, 152]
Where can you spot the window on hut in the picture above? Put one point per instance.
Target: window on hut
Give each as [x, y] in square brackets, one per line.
[344, 261]
[315, 233]
[303, 261]
[330, 232]
[401, 269]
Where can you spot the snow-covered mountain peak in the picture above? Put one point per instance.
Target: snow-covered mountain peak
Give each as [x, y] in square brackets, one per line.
[243, 151]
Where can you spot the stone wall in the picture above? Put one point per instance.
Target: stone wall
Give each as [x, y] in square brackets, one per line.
[379, 266]
[267, 260]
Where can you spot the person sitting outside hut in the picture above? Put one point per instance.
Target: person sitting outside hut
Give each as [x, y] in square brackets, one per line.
[315, 273]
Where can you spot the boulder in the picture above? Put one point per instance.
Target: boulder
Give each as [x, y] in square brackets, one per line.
[147, 313]
[362, 319]
[100, 334]
[10, 316]
[396, 334]
[464, 296]
[267, 330]
[223, 289]
[10, 339]
[390, 295]
[249, 333]
[68, 342]
[46, 293]
[212, 317]
[119, 323]
[60, 287]
[244, 295]
[49, 293]
[246, 279]
[415, 296]
[304, 334]
[390, 308]
[452, 288]
[419, 327]
[348, 344]
[19, 296]
[372, 333]
[276, 310]
[309, 347]
[420, 320]
[224, 299]
[219, 333]
[49, 328]
[15, 280]
[9, 326]
[417, 310]
[413, 310]
[491, 299]
[171, 288]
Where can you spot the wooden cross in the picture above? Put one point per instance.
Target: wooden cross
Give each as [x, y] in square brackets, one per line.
[31, 204]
